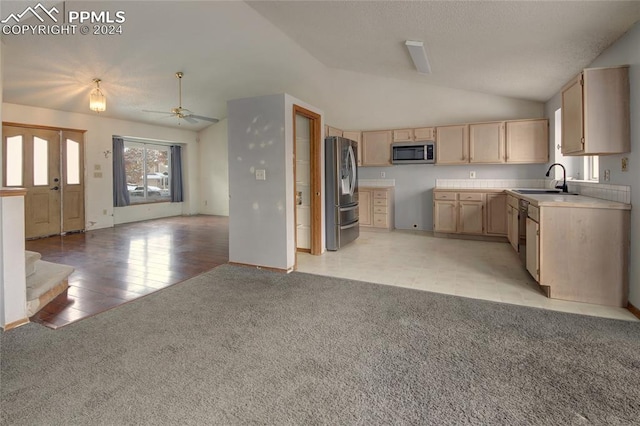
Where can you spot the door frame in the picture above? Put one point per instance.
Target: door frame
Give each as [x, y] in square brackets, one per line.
[315, 166]
[83, 175]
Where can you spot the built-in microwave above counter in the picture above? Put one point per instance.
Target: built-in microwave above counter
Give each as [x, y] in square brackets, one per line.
[413, 152]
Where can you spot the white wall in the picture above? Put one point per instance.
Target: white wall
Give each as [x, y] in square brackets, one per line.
[261, 212]
[627, 51]
[214, 169]
[13, 290]
[100, 130]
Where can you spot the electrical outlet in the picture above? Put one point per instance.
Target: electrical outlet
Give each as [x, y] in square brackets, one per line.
[261, 174]
[625, 164]
[472, 175]
[205, 202]
[104, 212]
[607, 175]
[382, 174]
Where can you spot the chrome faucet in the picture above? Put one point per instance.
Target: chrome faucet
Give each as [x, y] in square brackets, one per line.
[564, 177]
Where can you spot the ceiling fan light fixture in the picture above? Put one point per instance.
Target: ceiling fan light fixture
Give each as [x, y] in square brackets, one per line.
[419, 56]
[97, 100]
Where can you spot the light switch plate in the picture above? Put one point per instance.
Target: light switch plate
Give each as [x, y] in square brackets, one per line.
[625, 164]
[472, 175]
[261, 174]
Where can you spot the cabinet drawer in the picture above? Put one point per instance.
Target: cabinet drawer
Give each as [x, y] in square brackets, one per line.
[470, 196]
[380, 194]
[379, 202]
[534, 213]
[445, 196]
[380, 209]
[380, 220]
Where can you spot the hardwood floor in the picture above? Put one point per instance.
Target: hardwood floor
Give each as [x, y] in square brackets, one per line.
[116, 265]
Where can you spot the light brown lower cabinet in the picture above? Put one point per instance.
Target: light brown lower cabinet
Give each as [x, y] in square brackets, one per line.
[513, 224]
[581, 254]
[496, 217]
[470, 213]
[365, 207]
[376, 207]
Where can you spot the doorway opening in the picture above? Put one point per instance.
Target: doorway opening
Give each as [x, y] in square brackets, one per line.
[307, 166]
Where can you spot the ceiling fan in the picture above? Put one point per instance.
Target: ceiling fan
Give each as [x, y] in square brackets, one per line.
[181, 112]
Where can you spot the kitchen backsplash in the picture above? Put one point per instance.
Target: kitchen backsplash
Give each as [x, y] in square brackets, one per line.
[490, 183]
[620, 193]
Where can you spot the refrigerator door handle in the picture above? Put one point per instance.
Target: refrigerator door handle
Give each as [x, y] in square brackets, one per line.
[346, 209]
[352, 157]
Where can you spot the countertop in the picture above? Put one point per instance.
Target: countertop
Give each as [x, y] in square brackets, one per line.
[562, 200]
[550, 200]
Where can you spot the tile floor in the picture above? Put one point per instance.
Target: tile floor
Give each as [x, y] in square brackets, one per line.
[476, 269]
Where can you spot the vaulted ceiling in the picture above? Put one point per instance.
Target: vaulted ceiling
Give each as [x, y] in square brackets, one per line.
[229, 50]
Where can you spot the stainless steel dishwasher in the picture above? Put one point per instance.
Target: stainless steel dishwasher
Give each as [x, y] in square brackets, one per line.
[523, 208]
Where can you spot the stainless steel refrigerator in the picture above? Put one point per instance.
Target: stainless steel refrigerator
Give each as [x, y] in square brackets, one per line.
[341, 185]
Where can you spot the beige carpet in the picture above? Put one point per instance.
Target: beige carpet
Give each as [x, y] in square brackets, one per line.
[242, 346]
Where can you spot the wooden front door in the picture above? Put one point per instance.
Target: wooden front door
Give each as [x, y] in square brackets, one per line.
[49, 164]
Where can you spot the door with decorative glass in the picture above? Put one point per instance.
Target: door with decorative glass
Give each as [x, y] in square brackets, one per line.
[49, 164]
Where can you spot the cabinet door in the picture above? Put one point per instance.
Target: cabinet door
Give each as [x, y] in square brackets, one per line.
[572, 117]
[332, 131]
[452, 144]
[403, 135]
[424, 134]
[497, 220]
[533, 244]
[364, 207]
[357, 138]
[513, 230]
[527, 141]
[376, 148]
[445, 216]
[486, 142]
[470, 220]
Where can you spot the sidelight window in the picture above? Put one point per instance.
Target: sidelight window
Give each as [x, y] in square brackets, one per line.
[14, 161]
[40, 161]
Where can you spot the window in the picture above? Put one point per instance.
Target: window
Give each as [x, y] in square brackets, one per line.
[591, 167]
[148, 169]
[13, 164]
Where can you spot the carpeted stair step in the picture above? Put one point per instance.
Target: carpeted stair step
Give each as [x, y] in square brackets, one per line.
[47, 282]
[30, 259]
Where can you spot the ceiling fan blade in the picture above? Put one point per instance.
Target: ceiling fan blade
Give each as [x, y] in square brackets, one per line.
[188, 119]
[156, 112]
[200, 117]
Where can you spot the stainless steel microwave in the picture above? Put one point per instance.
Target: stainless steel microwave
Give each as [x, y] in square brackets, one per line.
[413, 152]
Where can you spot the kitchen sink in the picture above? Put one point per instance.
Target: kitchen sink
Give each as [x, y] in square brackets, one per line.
[542, 191]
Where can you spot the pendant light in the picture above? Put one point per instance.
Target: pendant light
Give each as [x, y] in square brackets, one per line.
[97, 101]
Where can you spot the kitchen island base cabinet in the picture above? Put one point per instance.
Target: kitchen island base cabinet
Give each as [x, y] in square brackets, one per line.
[583, 254]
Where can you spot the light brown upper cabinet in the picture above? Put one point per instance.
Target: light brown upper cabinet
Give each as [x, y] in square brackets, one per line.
[527, 141]
[595, 112]
[332, 131]
[355, 136]
[376, 148]
[411, 135]
[452, 144]
[486, 142]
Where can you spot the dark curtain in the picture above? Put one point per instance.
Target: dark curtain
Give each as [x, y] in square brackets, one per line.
[120, 190]
[176, 174]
